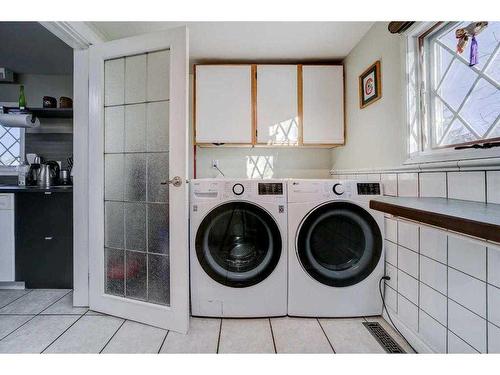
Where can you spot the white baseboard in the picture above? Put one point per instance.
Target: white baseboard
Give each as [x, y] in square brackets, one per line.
[12, 285]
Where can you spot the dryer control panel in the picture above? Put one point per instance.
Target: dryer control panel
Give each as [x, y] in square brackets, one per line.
[317, 190]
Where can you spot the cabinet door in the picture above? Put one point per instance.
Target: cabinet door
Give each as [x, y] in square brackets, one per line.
[323, 104]
[223, 104]
[277, 106]
[44, 239]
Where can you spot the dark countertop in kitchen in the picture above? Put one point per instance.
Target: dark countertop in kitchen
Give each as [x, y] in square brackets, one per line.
[35, 189]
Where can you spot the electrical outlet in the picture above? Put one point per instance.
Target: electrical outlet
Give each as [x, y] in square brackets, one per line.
[215, 164]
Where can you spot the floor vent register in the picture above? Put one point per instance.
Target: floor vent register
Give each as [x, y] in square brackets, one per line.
[383, 338]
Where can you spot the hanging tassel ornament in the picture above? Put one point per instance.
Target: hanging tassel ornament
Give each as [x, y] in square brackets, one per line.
[473, 60]
[463, 35]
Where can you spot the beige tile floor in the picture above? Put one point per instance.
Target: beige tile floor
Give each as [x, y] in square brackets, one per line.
[44, 321]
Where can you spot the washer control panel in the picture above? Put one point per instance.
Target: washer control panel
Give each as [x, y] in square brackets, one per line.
[369, 188]
[270, 188]
[238, 189]
[338, 189]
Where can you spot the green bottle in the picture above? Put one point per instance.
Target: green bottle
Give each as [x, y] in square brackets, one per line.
[22, 98]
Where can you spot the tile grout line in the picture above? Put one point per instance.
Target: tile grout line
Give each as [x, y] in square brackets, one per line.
[25, 294]
[272, 336]
[163, 342]
[55, 302]
[447, 287]
[218, 339]
[487, 294]
[35, 315]
[324, 333]
[113, 335]
[465, 342]
[63, 332]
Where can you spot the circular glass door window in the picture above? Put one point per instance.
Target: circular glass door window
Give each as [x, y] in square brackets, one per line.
[238, 244]
[339, 244]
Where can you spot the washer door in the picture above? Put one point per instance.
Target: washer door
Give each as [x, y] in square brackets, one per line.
[238, 244]
[339, 244]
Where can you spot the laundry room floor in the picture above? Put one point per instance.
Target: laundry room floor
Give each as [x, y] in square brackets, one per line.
[44, 321]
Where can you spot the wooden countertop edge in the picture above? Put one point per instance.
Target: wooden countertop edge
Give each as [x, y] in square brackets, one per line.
[486, 231]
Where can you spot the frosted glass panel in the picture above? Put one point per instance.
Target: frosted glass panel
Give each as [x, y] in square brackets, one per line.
[113, 224]
[135, 275]
[114, 129]
[158, 279]
[135, 128]
[115, 270]
[135, 177]
[157, 172]
[136, 161]
[135, 79]
[113, 177]
[158, 233]
[157, 126]
[135, 226]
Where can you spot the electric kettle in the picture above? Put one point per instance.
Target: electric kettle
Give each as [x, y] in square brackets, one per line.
[47, 174]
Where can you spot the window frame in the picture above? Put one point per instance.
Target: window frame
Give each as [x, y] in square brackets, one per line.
[418, 109]
[12, 170]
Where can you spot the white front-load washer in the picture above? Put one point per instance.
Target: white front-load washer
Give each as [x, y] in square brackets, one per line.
[238, 248]
[335, 256]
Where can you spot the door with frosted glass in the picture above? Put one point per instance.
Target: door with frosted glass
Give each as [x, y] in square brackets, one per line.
[138, 202]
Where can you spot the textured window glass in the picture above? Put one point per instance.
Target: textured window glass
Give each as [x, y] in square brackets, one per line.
[136, 161]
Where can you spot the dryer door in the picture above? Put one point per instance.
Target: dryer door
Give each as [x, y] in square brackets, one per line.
[238, 244]
[339, 244]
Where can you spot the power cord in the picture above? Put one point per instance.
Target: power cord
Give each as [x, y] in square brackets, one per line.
[387, 311]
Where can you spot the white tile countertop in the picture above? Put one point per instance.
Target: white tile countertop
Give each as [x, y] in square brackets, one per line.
[472, 218]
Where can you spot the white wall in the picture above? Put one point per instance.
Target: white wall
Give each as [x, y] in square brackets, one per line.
[375, 135]
[281, 162]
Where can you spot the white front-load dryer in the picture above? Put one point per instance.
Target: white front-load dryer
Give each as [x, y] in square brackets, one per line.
[335, 256]
[238, 248]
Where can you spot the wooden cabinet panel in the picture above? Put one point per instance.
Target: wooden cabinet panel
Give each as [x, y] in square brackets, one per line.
[277, 106]
[323, 104]
[223, 104]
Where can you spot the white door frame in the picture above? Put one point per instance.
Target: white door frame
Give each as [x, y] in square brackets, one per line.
[80, 36]
[176, 315]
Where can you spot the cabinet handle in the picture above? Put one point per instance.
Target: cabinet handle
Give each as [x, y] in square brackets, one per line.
[48, 238]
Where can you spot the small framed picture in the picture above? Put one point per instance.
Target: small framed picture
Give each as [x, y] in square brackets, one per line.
[370, 85]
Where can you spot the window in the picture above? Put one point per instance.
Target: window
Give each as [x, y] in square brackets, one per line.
[450, 103]
[10, 147]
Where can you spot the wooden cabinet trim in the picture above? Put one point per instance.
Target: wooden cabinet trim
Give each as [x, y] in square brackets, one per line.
[254, 103]
[300, 104]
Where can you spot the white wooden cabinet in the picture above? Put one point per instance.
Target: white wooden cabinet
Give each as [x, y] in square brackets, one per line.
[223, 104]
[7, 244]
[277, 105]
[323, 104]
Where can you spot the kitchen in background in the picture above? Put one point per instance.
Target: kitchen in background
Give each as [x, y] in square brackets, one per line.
[37, 221]
[44, 66]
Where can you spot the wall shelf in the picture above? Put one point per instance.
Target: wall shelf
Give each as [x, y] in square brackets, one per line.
[43, 112]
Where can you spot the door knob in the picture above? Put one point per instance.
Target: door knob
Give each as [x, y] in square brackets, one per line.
[176, 181]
